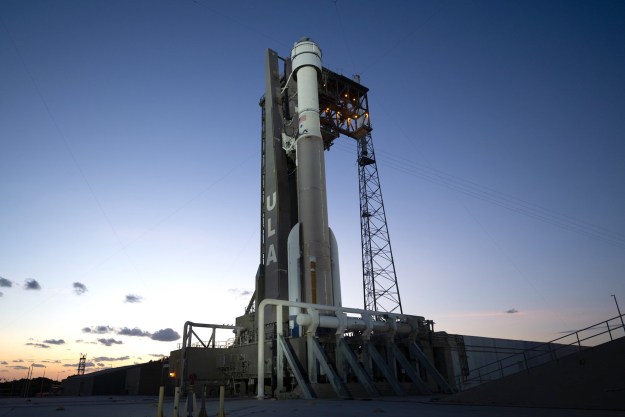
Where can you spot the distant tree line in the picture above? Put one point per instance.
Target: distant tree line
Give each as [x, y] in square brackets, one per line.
[29, 388]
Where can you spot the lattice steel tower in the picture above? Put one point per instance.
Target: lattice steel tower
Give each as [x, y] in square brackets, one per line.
[381, 292]
[82, 364]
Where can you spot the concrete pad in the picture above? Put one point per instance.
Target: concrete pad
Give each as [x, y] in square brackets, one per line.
[130, 406]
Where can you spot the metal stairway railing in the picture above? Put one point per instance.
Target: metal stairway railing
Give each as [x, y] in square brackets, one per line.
[537, 355]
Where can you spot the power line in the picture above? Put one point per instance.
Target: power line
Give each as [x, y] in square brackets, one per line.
[342, 28]
[239, 23]
[497, 198]
[407, 36]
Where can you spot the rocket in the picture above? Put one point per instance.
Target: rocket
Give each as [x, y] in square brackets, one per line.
[313, 254]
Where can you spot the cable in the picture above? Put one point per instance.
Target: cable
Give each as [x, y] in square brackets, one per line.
[494, 197]
[250, 28]
[391, 49]
[342, 27]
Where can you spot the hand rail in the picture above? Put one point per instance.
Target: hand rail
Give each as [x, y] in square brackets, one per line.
[541, 350]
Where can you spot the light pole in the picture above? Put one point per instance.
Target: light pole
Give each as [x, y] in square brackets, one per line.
[42, 379]
[29, 374]
[619, 311]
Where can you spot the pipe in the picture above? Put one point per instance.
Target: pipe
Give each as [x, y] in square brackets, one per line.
[353, 323]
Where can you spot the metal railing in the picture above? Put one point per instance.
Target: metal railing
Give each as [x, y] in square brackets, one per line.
[545, 352]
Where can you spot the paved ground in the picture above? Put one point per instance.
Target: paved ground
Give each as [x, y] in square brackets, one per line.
[389, 407]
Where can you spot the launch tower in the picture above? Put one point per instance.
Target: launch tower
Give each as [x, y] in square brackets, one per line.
[296, 337]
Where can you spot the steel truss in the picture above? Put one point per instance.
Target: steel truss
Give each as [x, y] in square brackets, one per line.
[344, 109]
[381, 292]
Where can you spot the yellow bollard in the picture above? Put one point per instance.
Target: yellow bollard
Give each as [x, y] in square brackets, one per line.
[221, 402]
[203, 409]
[176, 401]
[159, 409]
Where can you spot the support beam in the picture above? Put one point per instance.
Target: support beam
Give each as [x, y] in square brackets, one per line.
[410, 370]
[383, 366]
[333, 378]
[429, 366]
[296, 367]
[365, 380]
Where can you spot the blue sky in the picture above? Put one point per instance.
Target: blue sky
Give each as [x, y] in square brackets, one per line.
[130, 138]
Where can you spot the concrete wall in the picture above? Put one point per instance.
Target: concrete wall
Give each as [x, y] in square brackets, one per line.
[112, 382]
[151, 378]
[208, 364]
[142, 379]
[513, 356]
[78, 385]
[133, 376]
[593, 378]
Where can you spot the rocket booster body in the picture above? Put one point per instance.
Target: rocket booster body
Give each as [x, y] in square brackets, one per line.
[315, 235]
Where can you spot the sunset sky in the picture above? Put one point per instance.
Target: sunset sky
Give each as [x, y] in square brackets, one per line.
[130, 165]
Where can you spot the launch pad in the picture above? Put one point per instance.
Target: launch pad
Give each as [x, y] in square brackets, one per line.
[295, 338]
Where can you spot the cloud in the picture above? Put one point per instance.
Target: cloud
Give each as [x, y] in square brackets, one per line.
[133, 298]
[75, 365]
[166, 335]
[38, 365]
[4, 363]
[1, 294]
[56, 361]
[5, 282]
[31, 284]
[85, 342]
[79, 288]
[110, 342]
[54, 341]
[18, 367]
[38, 345]
[98, 329]
[240, 292]
[125, 331]
[17, 360]
[109, 359]
[101, 365]
[512, 311]
[156, 355]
